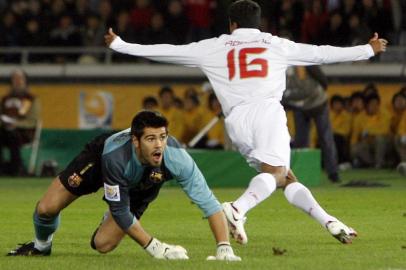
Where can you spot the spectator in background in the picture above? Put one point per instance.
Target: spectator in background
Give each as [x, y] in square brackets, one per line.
[106, 13]
[349, 7]
[378, 16]
[81, 10]
[92, 36]
[158, 33]
[315, 18]
[336, 33]
[178, 103]
[140, 16]
[177, 22]
[397, 109]
[403, 91]
[56, 11]
[402, 30]
[19, 116]
[357, 111]
[34, 37]
[170, 111]
[200, 15]
[371, 133]
[66, 34]
[341, 125]
[216, 135]
[305, 93]
[150, 103]
[123, 26]
[193, 118]
[398, 125]
[93, 31]
[10, 35]
[288, 15]
[359, 32]
[370, 89]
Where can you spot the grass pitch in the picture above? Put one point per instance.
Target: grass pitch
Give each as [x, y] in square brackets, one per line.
[378, 214]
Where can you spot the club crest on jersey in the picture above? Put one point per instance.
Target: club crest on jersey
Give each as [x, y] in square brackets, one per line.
[156, 177]
[74, 180]
[112, 193]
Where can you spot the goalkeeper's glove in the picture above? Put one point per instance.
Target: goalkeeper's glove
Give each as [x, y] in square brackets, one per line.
[224, 253]
[160, 250]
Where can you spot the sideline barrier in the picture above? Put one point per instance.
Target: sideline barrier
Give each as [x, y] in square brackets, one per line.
[221, 168]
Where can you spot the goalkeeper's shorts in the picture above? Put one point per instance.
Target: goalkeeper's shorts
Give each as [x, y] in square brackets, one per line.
[83, 174]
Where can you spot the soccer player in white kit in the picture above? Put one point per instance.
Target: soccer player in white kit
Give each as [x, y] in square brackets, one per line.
[247, 71]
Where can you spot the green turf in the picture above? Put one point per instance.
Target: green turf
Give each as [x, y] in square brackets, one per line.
[378, 214]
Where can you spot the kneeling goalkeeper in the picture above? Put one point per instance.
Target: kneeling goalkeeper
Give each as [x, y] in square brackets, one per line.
[131, 165]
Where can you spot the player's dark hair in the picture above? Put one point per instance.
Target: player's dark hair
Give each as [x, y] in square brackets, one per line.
[146, 119]
[337, 98]
[246, 13]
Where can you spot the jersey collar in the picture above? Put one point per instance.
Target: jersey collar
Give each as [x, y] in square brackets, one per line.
[239, 31]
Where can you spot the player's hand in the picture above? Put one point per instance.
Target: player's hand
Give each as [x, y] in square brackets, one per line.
[164, 251]
[378, 44]
[109, 37]
[224, 253]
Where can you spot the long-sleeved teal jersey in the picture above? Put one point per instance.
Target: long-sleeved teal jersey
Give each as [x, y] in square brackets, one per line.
[122, 172]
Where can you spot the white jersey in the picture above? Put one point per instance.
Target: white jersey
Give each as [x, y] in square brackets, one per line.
[246, 66]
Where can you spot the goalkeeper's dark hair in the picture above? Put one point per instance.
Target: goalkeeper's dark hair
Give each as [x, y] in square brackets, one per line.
[144, 119]
[246, 13]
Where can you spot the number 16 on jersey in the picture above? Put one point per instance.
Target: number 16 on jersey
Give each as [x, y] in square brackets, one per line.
[261, 64]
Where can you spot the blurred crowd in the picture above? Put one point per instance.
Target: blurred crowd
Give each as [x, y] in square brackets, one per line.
[367, 133]
[70, 23]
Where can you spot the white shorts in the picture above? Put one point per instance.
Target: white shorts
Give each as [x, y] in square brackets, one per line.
[260, 133]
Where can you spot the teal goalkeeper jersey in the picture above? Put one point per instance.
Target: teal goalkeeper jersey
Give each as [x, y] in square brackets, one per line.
[122, 171]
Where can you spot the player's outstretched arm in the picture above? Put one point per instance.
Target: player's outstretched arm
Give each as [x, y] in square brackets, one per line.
[378, 44]
[218, 225]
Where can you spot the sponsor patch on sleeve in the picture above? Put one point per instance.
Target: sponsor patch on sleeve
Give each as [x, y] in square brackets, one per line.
[112, 193]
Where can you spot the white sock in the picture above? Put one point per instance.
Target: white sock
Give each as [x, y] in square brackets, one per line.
[301, 197]
[43, 245]
[260, 188]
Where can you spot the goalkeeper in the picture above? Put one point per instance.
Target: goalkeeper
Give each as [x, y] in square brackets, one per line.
[131, 165]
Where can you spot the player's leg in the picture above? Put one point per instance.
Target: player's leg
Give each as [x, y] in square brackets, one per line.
[46, 220]
[107, 236]
[47, 213]
[82, 176]
[301, 197]
[252, 140]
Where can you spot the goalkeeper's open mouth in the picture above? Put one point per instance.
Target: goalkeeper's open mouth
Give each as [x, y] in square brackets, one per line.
[157, 156]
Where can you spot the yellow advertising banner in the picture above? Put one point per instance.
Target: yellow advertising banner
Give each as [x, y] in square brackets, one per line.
[60, 103]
